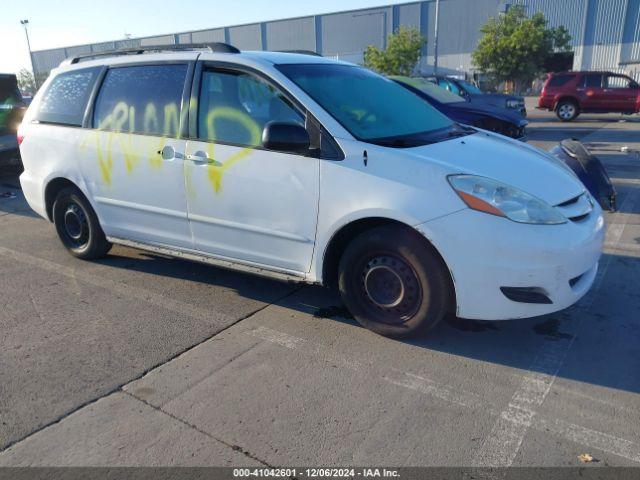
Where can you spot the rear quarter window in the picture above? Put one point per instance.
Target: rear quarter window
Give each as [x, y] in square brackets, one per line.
[559, 80]
[66, 97]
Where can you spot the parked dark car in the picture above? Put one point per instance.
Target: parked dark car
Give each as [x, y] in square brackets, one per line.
[571, 93]
[487, 117]
[12, 109]
[472, 93]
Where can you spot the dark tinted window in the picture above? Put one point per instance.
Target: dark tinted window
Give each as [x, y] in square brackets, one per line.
[559, 80]
[592, 80]
[142, 99]
[235, 107]
[66, 97]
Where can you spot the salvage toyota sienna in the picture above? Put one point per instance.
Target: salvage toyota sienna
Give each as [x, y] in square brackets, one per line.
[312, 170]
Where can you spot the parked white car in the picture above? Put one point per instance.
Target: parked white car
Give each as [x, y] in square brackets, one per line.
[307, 169]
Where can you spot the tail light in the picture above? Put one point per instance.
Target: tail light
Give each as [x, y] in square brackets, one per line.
[20, 139]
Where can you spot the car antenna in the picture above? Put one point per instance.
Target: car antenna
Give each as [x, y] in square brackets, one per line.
[365, 158]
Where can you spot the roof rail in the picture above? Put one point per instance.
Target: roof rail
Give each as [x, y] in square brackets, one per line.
[212, 47]
[302, 52]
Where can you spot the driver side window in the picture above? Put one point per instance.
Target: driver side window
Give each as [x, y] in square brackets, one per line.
[234, 107]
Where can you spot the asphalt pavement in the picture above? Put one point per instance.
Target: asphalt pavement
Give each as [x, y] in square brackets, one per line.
[140, 359]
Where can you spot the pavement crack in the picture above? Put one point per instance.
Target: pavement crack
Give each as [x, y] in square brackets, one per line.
[232, 446]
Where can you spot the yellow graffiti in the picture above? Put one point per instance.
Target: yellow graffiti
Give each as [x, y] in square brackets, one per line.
[120, 126]
[244, 121]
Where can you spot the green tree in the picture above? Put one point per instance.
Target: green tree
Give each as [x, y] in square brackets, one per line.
[401, 55]
[26, 83]
[515, 47]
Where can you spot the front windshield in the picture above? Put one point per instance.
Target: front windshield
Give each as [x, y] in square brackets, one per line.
[371, 107]
[469, 87]
[431, 89]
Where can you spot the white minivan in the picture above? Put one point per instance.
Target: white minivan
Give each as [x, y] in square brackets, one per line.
[307, 169]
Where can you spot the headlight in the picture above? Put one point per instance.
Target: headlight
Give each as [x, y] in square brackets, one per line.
[493, 197]
[513, 103]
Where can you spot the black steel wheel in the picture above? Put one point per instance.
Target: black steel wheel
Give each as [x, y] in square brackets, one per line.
[394, 282]
[77, 225]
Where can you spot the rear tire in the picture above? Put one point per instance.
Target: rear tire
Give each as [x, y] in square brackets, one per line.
[78, 226]
[567, 110]
[393, 282]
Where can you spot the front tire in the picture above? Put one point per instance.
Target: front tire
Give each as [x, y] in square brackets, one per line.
[393, 282]
[78, 226]
[567, 110]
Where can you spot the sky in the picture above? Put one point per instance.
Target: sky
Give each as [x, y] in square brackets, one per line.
[61, 23]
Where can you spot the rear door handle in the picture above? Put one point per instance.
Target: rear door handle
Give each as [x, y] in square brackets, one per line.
[203, 157]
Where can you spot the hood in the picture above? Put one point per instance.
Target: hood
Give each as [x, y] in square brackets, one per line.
[509, 161]
[504, 114]
[495, 99]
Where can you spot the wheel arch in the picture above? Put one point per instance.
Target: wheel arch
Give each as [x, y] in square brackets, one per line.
[345, 234]
[571, 98]
[53, 187]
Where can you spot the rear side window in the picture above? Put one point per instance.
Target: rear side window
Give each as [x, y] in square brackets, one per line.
[142, 99]
[618, 81]
[559, 80]
[592, 81]
[65, 100]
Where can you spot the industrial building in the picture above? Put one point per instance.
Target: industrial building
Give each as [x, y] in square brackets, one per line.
[605, 33]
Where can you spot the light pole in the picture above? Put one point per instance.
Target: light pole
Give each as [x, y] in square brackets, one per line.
[435, 39]
[24, 23]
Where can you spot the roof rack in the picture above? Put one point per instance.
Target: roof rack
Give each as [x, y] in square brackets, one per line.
[212, 47]
[302, 52]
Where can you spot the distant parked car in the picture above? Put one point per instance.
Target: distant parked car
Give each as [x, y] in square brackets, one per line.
[487, 117]
[472, 93]
[26, 98]
[571, 93]
[12, 109]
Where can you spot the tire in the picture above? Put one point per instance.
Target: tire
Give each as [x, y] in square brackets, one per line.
[567, 110]
[78, 226]
[393, 282]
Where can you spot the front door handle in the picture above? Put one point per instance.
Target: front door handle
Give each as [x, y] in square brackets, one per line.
[203, 157]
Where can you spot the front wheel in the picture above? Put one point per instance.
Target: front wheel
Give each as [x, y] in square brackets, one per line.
[78, 226]
[393, 282]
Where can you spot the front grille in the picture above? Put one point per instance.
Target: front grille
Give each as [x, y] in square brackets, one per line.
[576, 208]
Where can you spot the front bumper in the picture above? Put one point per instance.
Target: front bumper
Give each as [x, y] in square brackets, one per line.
[485, 252]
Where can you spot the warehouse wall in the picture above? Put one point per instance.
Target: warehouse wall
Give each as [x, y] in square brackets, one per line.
[605, 33]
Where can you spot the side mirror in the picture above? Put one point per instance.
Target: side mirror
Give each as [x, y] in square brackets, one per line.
[285, 137]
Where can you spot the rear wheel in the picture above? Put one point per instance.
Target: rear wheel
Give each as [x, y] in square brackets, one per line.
[393, 282]
[77, 225]
[567, 110]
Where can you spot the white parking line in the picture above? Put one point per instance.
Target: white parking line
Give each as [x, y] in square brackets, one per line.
[519, 413]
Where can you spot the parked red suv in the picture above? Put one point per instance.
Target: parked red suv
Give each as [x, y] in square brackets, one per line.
[571, 93]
